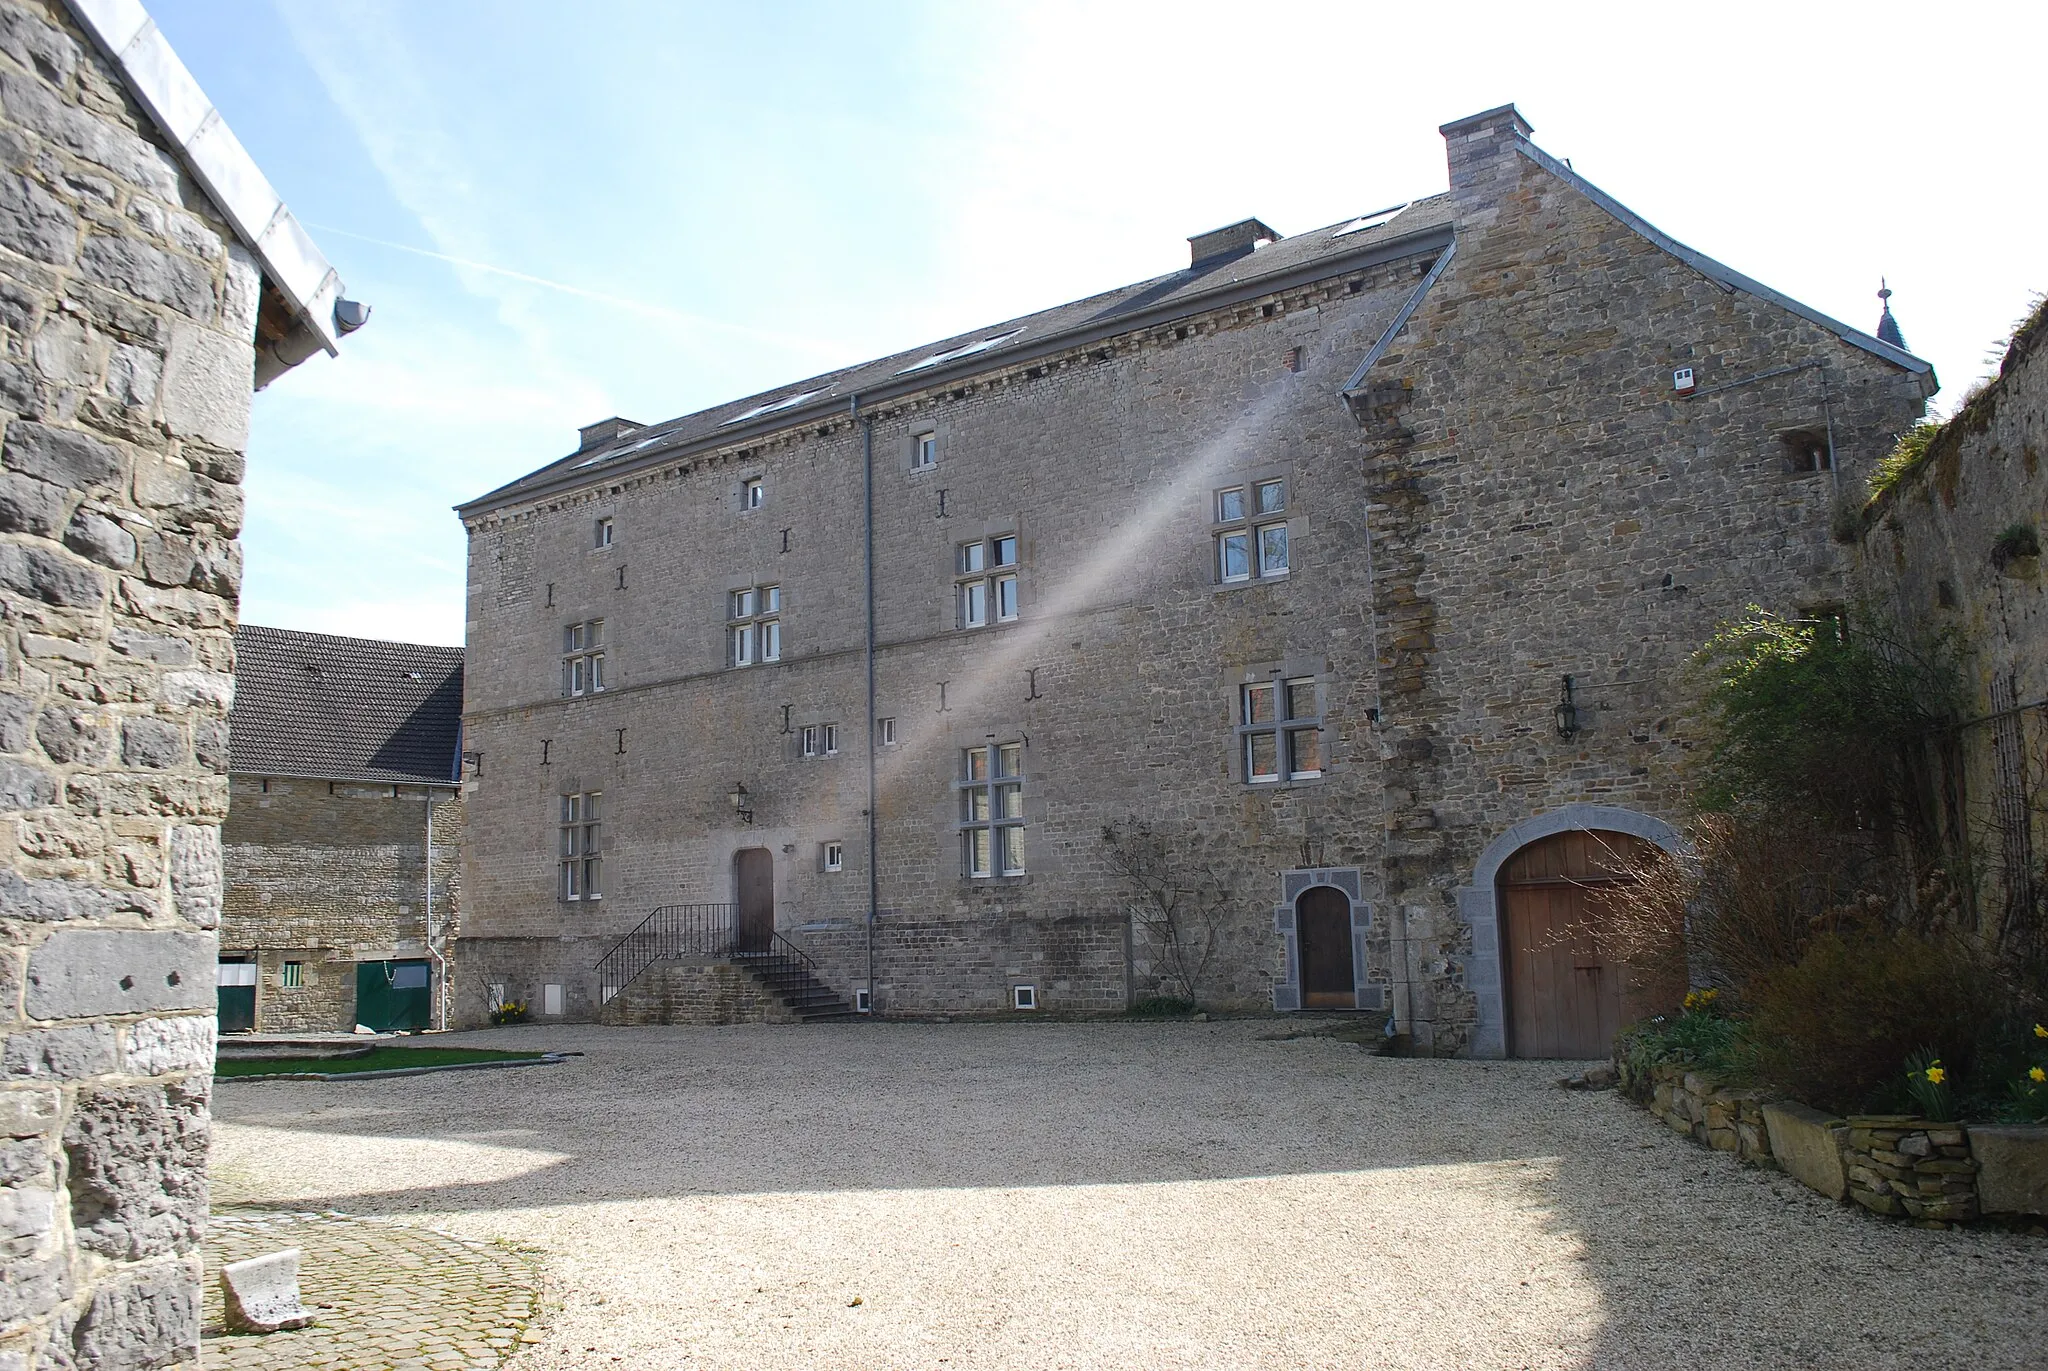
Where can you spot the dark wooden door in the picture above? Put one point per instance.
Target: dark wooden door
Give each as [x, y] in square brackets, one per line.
[1322, 923]
[1564, 990]
[753, 880]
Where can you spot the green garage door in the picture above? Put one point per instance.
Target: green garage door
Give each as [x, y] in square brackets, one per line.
[394, 995]
[236, 994]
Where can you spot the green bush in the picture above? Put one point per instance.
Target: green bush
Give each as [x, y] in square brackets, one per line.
[1834, 1029]
[1697, 1038]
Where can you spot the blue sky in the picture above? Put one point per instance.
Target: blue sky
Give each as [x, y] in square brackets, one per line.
[644, 207]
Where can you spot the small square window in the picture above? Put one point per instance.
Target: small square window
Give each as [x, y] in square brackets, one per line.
[973, 556]
[1229, 504]
[810, 740]
[835, 856]
[754, 494]
[604, 533]
[1005, 550]
[1272, 549]
[885, 732]
[743, 604]
[1024, 996]
[1271, 496]
[924, 451]
[294, 975]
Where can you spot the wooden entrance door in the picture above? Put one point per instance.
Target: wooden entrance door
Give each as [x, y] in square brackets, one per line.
[753, 883]
[1564, 991]
[1322, 924]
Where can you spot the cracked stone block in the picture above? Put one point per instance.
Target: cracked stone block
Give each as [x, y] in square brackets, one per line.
[261, 1294]
[138, 1169]
[196, 880]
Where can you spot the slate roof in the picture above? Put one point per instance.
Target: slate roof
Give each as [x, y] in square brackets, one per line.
[1316, 255]
[344, 709]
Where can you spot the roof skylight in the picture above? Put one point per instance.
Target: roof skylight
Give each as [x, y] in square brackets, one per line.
[777, 406]
[964, 350]
[1370, 221]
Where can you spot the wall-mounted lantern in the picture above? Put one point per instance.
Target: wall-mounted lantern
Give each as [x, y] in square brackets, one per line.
[1567, 712]
[742, 803]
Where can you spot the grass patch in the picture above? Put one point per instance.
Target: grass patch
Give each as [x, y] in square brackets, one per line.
[378, 1059]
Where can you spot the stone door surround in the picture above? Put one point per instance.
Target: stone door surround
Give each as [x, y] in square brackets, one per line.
[1479, 902]
[1345, 879]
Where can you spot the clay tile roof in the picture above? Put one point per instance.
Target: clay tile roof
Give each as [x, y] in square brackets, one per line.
[344, 709]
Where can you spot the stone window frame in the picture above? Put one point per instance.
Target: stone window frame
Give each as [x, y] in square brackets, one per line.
[1251, 523]
[980, 576]
[1281, 675]
[753, 632]
[601, 533]
[753, 493]
[990, 827]
[583, 653]
[580, 848]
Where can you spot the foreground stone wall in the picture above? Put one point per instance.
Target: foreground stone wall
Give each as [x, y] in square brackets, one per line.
[1929, 551]
[690, 991]
[126, 323]
[331, 873]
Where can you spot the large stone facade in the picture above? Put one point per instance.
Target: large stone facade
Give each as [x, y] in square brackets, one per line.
[129, 323]
[1502, 490]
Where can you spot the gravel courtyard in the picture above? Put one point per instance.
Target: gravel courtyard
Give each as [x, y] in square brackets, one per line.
[1115, 1195]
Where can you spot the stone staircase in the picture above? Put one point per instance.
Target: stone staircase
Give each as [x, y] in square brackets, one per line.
[683, 965]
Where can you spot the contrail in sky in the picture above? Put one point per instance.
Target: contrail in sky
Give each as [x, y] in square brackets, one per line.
[810, 345]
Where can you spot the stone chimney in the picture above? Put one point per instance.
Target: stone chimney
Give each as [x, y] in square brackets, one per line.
[1481, 149]
[605, 431]
[1233, 240]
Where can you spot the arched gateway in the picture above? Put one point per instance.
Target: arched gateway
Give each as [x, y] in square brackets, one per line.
[1522, 972]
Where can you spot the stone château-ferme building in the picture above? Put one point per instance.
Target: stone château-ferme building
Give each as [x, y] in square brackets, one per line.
[150, 277]
[1360, 566]
[343, 842]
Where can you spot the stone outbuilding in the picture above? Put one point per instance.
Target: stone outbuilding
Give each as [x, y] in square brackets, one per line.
[343, 843]
[1306, 628]
[150, 278]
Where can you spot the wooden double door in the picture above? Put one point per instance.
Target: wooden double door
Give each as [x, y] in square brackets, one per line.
[1566, 991]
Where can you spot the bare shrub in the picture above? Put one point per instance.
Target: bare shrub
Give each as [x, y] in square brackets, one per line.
[1179, 898]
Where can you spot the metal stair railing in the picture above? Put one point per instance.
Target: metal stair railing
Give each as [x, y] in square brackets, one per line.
[673, 930]
[783, 958]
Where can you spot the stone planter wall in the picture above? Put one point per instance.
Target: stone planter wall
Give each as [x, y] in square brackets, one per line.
[1725, 1119]
[1910, 1167]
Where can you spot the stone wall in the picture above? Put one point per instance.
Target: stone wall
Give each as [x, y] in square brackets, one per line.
[331, 873]
[1718, 1116]
[695, 991]
[1907, 1166]
[1927, 551]
[126, 324]
[1535, 499]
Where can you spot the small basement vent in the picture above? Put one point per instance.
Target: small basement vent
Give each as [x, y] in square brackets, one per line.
[1024, 996]
[863, 1003]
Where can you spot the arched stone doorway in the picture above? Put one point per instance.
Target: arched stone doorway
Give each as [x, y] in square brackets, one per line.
[1479, 903]
[753, 888]
[1565, 985]
[1322, 920]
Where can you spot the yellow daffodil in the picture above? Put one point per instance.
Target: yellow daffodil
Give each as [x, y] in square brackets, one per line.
[2041, 1030]
[1935, 1074]
[2037, 1075]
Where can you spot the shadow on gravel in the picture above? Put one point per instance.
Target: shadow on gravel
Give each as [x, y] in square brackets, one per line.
[1689, 1252]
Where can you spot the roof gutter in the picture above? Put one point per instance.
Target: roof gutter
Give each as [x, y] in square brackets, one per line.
[935, 378]
[209, 150]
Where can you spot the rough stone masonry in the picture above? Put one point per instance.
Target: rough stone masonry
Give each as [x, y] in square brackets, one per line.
[132, 305]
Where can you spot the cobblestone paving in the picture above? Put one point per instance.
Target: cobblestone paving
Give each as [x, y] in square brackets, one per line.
[387, 1296]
